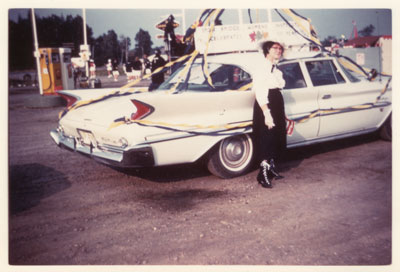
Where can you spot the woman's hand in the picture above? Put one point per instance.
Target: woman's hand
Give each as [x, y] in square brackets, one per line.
[269, 121]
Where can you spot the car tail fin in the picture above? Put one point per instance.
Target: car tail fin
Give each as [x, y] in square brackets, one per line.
[142, 110]
[69, 98]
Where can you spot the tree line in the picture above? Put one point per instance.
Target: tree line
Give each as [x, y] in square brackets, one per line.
[67, 31]
[366, 31]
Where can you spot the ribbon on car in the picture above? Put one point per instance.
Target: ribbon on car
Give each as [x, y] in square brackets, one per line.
[312, 38]
[312, 34]
[188, 128]
[216, 13]
[290, 122]
[322, 112]
[184, 72]
[169, 126]
[120, 91]
[353, 67]
[208, 13]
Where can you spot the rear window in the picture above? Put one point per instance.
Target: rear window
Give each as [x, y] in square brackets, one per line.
[223, 77]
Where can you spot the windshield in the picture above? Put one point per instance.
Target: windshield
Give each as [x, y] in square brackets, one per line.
[351, 75]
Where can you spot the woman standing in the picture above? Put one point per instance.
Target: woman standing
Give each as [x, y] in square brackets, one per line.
[109, 68]
[269, 124]
[115, 70]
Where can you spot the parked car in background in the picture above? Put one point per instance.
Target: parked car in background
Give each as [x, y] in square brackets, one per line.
[185, 120]
[22, 78]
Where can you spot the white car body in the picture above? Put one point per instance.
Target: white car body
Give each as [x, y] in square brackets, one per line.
[183, 126]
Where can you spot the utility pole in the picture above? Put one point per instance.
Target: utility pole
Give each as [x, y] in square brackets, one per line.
[85, 39]
[379, 47]
[126, 50]
[37, 53]
[240, 14]
[269, 16]
[183, 23]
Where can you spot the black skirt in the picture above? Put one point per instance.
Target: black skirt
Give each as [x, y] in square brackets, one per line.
[270, 143]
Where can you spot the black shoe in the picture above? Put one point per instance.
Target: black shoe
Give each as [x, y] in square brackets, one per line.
[272, 170]
[264, 177]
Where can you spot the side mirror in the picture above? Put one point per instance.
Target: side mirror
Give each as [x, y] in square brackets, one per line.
[372, 74]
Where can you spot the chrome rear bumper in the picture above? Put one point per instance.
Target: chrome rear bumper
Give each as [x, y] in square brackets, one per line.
[131, 157]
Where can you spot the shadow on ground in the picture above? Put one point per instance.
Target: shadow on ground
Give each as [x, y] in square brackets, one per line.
[179, 201]
[30, 183]
[170, 173]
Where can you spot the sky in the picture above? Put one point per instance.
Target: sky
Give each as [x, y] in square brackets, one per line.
[128, 21]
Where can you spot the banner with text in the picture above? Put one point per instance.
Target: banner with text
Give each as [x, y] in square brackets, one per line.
[228, 38]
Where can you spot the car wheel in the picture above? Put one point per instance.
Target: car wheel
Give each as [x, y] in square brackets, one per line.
[386, 129]
[231, 157]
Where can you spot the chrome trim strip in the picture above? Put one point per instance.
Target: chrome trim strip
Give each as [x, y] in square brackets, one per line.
[349, 109]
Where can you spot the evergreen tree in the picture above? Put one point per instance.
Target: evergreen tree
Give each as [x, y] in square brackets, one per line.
[52, 31]
[106, 47]
[20, 44]
[366, 31]
[56, 31]
[143, 43]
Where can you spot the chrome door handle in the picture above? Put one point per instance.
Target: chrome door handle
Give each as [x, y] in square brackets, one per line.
[327, 96]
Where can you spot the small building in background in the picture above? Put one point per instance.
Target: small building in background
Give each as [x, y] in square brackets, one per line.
[371, 52]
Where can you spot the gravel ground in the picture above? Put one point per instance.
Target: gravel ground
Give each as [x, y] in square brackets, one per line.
[334, 207]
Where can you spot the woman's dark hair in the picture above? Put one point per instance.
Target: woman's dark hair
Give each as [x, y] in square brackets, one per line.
[266, 46]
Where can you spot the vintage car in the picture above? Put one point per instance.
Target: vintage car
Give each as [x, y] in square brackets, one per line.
[188, 118]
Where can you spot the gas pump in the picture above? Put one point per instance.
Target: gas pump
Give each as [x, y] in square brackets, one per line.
[67, 72]
[50, 69]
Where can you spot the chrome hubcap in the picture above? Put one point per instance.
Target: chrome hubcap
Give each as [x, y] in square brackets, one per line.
[235, 152]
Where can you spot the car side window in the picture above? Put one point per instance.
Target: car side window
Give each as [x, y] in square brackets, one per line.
[293, 76]
[229, 77]
[323, 72]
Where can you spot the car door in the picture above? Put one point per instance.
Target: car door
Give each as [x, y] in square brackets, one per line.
[339, 99]
[230, 98]
[301, 100]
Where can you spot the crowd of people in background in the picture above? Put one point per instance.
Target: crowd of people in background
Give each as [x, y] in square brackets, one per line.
[134, 69]
[137, 68]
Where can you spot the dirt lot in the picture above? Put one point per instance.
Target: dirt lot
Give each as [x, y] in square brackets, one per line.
[334, 206]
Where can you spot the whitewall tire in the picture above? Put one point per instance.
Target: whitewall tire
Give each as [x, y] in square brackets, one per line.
[231, 157]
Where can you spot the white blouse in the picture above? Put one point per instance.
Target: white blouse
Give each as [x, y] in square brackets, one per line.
[264, 79]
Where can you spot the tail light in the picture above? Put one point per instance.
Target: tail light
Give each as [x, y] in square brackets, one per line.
[142, 110]
[69, 98]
